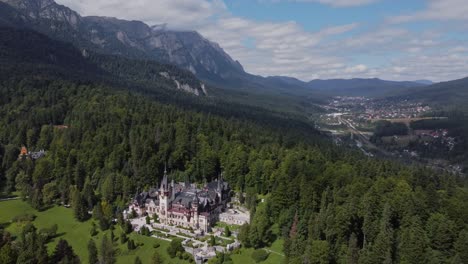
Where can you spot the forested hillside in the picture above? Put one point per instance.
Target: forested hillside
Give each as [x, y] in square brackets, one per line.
[446, 95]
[330, 205]
[109, 131]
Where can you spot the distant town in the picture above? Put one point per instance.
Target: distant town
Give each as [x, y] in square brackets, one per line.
[400, 129]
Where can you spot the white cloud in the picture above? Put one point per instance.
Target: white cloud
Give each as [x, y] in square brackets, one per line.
[387, 51]
[178, 13]
[334, 3]
[437, 10]
[341, 3]
[356, 69]
[280, 48]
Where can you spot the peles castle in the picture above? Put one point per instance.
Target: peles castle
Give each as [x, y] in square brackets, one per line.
[184, 204]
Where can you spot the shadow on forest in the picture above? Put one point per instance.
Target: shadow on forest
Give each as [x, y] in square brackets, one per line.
[59, 235]
[4, 225]
[45, 208]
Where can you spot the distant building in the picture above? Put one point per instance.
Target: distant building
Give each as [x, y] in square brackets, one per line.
[183, 204]
[25, 154]
[60, 127]
[233, 217]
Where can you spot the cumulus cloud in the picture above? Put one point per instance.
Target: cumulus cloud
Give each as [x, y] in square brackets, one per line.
[279, 48]
[178, 13]
[334, 3]
[437, 10]
[286, 48]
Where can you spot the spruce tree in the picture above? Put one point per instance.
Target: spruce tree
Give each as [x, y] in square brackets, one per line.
[107, 252]
[353, 250]
[92, 252]
[383, 246]
[157, 258]
[79, 207]
[461, 245]
[413, 241]
[138, 260]
[63, 253]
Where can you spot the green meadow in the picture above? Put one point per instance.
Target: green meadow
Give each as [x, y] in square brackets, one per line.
[275, 257]
[78, 234]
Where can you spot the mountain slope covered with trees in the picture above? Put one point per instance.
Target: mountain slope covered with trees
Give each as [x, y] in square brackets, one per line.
[109, 131]
[103, 144]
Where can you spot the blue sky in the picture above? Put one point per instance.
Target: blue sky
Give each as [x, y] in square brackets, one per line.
[310, 39]
[314, 16]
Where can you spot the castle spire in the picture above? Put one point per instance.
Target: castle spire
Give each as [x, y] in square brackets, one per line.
[195, 200]
[164, 180]
[220, 181]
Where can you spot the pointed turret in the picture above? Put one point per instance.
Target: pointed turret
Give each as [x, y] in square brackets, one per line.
[220, 182]
[187, 182]
[164, 185]
[172, 189]
[195, 199]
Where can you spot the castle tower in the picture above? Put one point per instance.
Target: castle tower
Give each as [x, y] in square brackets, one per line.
[195, 203]
[172, 190]
[164, 198]
[164, 188]
[220, 187]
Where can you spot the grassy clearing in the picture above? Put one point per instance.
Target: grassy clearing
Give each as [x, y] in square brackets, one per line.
[277, 246]
[231, 227]
[78, 234]
[244, 256]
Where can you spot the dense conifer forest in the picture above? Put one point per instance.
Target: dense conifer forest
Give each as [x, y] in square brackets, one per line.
[104, 143]
[330, 205]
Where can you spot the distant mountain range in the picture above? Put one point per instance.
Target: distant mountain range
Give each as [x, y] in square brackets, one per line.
[350, 87]
[185, 49]
[426, 82]
[446, 94]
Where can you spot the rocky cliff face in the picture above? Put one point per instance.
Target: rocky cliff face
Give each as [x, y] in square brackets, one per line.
[135, 39]
[46, 9]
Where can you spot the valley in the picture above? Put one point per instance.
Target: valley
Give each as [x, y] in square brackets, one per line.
[392, 129]
[128, 140]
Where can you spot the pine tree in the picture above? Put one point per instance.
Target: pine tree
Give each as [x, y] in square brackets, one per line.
[353, 250]
[212, 241]
[413, 242]
[319, 252]
[107, 252]
[157, 258]
[382, 248]
[138, 260]
[63, 253]
[123, 238]
[227, 232]
[31, 246]
[7, 254]
[92, 252]
[461, 246]
[441, 232]
[79, 206]
[244, 235]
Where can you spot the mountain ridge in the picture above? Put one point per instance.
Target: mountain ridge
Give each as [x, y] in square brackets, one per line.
[188, 50]
[133, 39]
